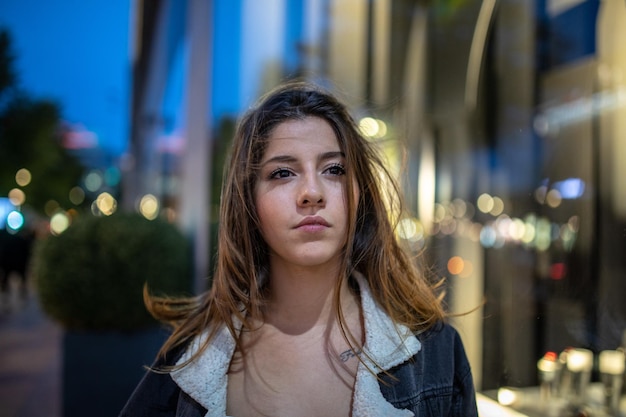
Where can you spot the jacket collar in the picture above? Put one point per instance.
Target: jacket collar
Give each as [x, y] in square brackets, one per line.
[386, 345]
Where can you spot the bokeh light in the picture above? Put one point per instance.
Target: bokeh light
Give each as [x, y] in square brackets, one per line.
[149, 206]
[553, 198]
[23, 177]
[571, 188]
[93, 181]
[106, 204]
[15, 220]
[59, 222]
[77, 195]
[540, 194]
[517, 229]
[455, 218]
[468, 269]
[440, 213]
[474, 232]
[372, 128]
[460, 207]
[112, 176]
[543, 232]
[488, 236]
[17, 197]
[410, 229]
[507, 396]
[503, 225]
[456, 265]
[448, 225]
[498, 206]
[51, 207]
[485, 203]
[530, 222]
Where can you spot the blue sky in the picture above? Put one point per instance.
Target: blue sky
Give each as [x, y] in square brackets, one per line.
[76, 53]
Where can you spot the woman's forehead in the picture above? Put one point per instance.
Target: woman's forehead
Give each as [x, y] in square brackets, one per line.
[299, 134]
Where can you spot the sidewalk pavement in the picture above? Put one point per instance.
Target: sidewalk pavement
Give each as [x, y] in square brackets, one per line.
[30, 359]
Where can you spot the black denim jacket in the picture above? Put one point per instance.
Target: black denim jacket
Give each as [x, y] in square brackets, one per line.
[436, 382]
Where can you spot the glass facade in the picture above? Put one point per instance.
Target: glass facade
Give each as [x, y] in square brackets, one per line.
[507, 122]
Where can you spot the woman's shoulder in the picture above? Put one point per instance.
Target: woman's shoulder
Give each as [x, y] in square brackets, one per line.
[157, 394]
[439, 375]
[170, 357]
[440, 329]
[442, 337]
[443, 351]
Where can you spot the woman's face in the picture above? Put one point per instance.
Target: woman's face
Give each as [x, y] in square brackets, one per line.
[301, 195]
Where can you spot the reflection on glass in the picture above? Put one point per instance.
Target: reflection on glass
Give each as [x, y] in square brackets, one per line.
[549, 369]
[612, 364]
[579, 364]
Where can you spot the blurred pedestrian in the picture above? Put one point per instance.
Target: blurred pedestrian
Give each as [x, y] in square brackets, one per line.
[314, 309]
[15, 252]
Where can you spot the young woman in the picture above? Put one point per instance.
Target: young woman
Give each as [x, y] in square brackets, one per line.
[314, 308]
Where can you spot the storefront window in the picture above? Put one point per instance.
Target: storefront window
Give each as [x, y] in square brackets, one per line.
[515, 122]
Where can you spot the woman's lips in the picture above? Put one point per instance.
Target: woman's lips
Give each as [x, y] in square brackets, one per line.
[313, 224]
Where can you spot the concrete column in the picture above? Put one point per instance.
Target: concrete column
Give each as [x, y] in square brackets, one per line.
[196, 166]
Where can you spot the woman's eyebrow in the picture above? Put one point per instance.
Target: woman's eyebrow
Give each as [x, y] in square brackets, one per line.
[286, 159]
[331, 155]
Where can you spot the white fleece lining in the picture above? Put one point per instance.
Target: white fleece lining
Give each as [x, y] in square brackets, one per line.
[386, 344]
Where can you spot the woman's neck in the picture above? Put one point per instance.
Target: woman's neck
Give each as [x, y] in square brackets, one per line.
[303, 299]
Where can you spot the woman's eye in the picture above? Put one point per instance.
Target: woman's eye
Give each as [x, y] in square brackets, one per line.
[280, 173]
[336, 169]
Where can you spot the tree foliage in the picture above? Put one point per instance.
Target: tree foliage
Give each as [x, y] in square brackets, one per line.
[92, 275]
[30, 137]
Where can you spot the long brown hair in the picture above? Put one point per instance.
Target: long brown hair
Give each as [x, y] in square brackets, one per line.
[237, 293]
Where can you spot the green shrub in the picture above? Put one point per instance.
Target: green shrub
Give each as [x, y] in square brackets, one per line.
[92, 275]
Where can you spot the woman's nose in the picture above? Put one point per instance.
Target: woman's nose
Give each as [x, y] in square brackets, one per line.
[311, 192]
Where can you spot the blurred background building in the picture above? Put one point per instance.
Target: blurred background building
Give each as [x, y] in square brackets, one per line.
[509, 117]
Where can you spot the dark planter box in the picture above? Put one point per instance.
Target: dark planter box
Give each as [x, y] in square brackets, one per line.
[101, 369]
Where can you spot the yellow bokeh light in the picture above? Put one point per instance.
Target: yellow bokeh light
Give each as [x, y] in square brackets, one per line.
[382, 128]
[106, 203]
[149, 206]
[439, 213]
[553, 198]
[529, 233]
[17, 197]
[410, 229]
[498, 206]
[543, 232]
[59, 222]
[517, 229]
[507, 396]
[485, 203]
[566, 233]
[368, 127]
[529, 229]
[372, 128]
[23, 177]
